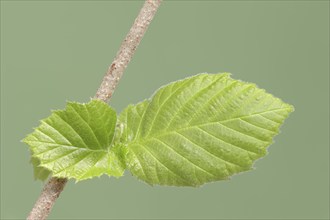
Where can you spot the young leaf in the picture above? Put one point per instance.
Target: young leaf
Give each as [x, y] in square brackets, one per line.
[75, 142]
[39, 172]
[200, 129]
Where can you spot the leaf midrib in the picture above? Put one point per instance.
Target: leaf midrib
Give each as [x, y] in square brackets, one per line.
[166, 132]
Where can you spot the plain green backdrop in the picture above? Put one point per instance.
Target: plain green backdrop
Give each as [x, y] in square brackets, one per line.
[53, 51]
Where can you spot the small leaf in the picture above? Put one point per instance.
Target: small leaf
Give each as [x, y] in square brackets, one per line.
[75, 142]
[200, 129]
[39, 172]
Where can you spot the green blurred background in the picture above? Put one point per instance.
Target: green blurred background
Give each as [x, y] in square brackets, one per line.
[53, 51]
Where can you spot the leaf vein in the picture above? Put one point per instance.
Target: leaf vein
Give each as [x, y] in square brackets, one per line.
[232, 98]
[192, 98]
[241, 132]
[257, 126]
[193, 116]
[214, 155]
[88, 125]
[81, 138]
[56, 131]
[90, 166]
[163, 103]
[163, 164]
[247, 150]
[43, 133]
[61, 156]
[180, 155]
[75, 163]
[138, 160]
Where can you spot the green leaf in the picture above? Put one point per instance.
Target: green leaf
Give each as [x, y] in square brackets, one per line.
[75, 142]
[200, 129]
[39, 172]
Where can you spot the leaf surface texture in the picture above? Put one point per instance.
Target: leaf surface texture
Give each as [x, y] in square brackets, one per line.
[76, 142]
[200, 129]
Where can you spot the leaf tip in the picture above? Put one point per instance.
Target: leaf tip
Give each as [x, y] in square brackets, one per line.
[291, 108]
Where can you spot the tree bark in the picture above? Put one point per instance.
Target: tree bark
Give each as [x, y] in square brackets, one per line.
[127, 49]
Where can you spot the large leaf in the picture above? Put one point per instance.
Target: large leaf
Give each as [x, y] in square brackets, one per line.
[75, 142]
[200, 129]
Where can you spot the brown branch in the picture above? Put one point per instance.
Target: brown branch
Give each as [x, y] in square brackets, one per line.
[127, 49]
[55, 186]
[46, 200]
